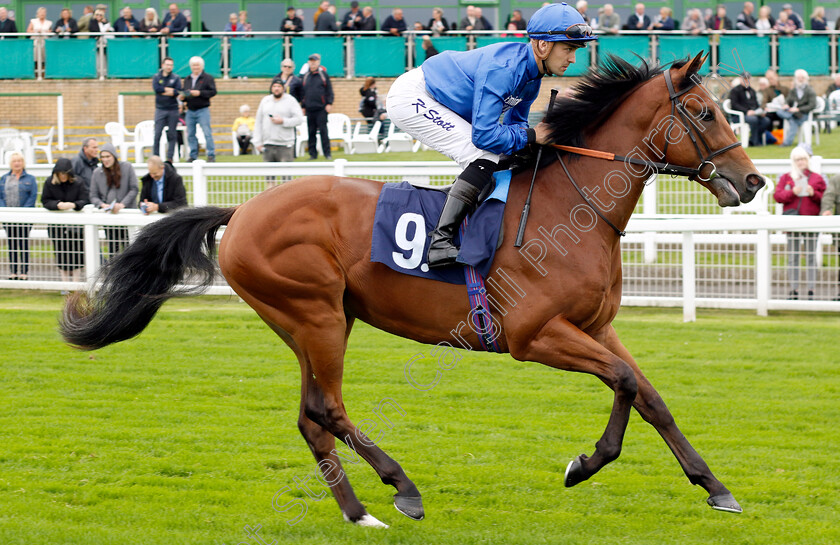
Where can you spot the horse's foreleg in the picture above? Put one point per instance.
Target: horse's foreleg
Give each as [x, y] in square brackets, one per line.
[652, 408]
[561, 345]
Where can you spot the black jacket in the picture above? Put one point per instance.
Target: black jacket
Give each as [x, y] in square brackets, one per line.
[206, 84]
[297, 25]
[174, 193]
[326, 23]
[743, 99]
[8, 27]
[159, 84]
[368, 106]
[83, 167]
[368, 23]
[293, 86]
[74, 192]
[317, 90]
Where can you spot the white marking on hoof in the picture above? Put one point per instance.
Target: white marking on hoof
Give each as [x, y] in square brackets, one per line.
[368, 521]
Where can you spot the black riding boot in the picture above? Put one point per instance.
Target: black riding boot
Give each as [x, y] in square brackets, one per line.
[459, 202]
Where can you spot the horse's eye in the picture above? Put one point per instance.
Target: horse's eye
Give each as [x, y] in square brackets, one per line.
[708, 115]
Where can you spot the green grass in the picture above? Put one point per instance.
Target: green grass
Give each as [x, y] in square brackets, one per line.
[184, 435]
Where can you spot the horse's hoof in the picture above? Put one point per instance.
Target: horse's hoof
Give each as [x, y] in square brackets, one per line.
[574, 472]
[724, 502]
[410, 506]
[367, 520]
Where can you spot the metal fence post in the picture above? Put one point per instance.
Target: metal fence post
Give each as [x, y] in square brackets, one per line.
[688, 278]
[225, 57]
[763, 272]
[200, 193]
[92, 259]
[350, 56]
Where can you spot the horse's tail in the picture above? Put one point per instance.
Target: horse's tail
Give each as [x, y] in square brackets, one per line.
[133, 285]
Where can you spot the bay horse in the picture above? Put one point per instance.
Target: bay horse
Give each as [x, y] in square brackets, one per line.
[299, 254]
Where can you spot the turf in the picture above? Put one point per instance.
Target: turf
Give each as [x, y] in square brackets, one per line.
[185, 434]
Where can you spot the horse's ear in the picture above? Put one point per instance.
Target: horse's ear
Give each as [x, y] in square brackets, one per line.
[696, 63]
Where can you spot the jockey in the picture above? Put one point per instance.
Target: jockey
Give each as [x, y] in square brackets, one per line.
[453, 103]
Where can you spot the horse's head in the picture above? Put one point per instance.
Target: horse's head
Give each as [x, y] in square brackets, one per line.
[698, 135]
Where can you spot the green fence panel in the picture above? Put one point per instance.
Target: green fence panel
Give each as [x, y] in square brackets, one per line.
[255, 57]
[441, 43]
[626, 47]
[330, 49]
[209, 49]
[132, 58]
[18, 59]
[70, 59]
[737, 54]
[673, 48]
[379, 56]
[811, 53]
[583, 56]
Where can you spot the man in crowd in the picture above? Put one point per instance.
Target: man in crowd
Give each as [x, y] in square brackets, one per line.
[317, 103]
[793, 16]
[326, 21]
[174, 22]
[199, 88]
[799, 103]
[274, 132]
[609, 21]
[746, 20]
[292, 23]
[394, 23]
[127, 23]
[352, 19]
[86, 161]
[834, 85]
[582, 6]
[7, 26]
[719, 21]
[84, 20]
[638, 20]
[368, 20]
[291, 83]
[744, 98]
[517, 20]
[166, 85]
[162, 188]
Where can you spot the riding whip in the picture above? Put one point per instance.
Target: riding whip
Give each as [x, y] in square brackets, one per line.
[523, 219]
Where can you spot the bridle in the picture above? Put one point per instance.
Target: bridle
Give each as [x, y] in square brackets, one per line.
[690, 127]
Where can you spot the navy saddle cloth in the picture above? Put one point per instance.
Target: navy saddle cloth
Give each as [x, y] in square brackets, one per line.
[405, 215]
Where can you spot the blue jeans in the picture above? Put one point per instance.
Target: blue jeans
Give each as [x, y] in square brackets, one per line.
[202, 117]
[166, 119]
[794, 124]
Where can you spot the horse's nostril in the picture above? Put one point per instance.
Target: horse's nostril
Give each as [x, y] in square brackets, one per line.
[755, 182]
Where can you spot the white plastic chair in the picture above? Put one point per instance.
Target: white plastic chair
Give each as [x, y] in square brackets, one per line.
[120, 137]
[235, 144]
[340, 128]
[144, 137]
[398, 140]
[366, 142]
[44, 144]
[740, 126]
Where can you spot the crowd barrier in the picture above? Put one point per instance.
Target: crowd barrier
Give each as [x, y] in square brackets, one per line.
[681, 248]
[362, 54]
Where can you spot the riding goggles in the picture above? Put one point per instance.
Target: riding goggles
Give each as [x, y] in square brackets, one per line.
[578, 31]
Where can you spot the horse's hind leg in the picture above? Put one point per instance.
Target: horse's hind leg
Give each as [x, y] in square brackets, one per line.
[651, 407]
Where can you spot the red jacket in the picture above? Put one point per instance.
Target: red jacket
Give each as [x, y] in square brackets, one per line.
[810, 205]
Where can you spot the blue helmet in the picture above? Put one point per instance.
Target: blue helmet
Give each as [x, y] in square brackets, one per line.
[559, 22]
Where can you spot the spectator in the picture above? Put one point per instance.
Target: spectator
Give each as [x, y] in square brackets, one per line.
[517, 20]
[243, 24]
[188, 17]
[7, 26]
[834, 85]
[353, 18]
[437, 24]
[481, 21]
[292, 23]
[428, 47]
[775, 89]
[40, 24]
[799, 102]
[784, 25]
[582, 6]
[163, 188]
[233, 24]
[694, 22]
[166, 85]
[99, 24]
[745, 20]
[765, 19]
[818, 21]
[744, 99]
[18, 189]
[474, 20]
[322, 7]
[277, 116]
[63, 192]
[174, 22]
[199, 88]
[663, 21]
[243, 127]
[291, 83]
[86, 161]
[368, 20]
[637, 20]
[830, 206]
[394, 23]
[84, 21]
[126, 23]
[792, 16]
[369, 104]
[326, 20]
[609, 21]
[113, 187]
[801, 192]
[720, 21]
[317, 103]
[150, 22]
[65, 26]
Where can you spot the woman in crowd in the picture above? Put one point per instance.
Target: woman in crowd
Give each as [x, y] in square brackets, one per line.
[785, 25]
[765, 19]
[63, 192]
[818, 21]
[438, 24]
[801, 192]
[243, 127]
[369, 104]
[40, 25]
[244, 25]
[663, 21]
[150, 22]
[18, 188]
[113, 186]
[66, 26]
